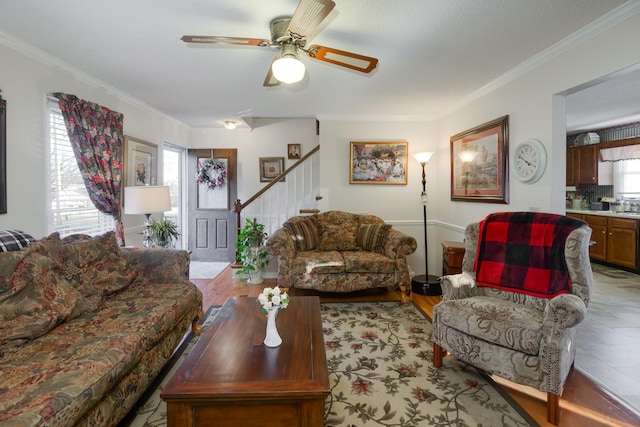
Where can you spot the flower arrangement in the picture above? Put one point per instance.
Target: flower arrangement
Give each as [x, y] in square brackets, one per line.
[273, 298]
[212, 173]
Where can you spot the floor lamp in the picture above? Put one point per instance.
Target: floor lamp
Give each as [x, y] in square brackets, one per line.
[146, 200]
[425, 284]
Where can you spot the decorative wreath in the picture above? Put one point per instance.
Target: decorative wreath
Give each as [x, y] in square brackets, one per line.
[212, 173]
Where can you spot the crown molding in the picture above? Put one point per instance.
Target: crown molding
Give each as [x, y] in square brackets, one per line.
[53, 62]
[601, 24]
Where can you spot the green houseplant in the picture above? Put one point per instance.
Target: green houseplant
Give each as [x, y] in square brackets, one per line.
[164, 232]
[251, 250]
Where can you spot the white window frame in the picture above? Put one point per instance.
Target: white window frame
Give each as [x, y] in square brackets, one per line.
[178, 209]
[70, 209]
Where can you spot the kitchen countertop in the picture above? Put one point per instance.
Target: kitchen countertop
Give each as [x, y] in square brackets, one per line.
[630, 215]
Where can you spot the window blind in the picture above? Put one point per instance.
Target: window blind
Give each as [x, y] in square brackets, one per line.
[71, 210]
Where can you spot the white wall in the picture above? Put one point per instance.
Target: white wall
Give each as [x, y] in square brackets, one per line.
[536, 110]
[534, 102]
[398, 205]
[269, 138]
[25, 83]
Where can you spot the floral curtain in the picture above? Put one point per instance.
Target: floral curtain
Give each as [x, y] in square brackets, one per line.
[95, 133]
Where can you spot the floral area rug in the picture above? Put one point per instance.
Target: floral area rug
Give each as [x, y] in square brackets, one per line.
[379, 357]
[381, 373]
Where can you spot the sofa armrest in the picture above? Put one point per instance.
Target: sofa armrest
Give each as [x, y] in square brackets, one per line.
[399, 244]
[281, 244]
[564, 311]
[157, 264]
[458, 286]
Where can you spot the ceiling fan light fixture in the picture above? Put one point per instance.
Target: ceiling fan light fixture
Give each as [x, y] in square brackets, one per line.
[230, 125]
[288, 68]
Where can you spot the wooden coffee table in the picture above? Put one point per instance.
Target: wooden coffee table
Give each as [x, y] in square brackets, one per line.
[231, 378]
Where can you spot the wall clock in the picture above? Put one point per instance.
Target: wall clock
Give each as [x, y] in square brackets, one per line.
[529, 161]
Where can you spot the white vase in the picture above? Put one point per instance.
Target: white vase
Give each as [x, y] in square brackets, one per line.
[272, 339]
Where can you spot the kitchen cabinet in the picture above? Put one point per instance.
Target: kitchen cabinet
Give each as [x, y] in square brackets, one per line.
[598, 224]
[615, 240]
[584, 166]
[622, 242]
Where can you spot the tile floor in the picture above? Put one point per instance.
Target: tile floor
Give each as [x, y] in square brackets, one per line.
[609, 338]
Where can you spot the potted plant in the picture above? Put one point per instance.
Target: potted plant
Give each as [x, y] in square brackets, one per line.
[251, 250]
[164, 232]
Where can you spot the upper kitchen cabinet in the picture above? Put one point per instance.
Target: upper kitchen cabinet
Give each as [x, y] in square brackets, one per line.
[584, 166]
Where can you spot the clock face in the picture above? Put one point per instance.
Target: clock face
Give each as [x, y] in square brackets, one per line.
[529, 161]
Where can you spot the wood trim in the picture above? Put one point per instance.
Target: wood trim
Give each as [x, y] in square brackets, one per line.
[619, 143]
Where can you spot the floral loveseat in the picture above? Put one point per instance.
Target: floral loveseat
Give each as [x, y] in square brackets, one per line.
[86, 326]
[338, 251]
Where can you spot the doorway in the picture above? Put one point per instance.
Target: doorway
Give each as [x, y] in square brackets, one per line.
[211, 218]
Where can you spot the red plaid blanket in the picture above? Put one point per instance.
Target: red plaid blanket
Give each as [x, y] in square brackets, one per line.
[524, 252]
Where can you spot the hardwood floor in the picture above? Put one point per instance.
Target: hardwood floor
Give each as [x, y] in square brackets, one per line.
[583, 402]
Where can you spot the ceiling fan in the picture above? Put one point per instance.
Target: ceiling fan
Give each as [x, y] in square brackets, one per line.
[289, 35]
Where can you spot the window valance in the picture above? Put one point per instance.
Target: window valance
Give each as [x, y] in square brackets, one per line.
[614, 154]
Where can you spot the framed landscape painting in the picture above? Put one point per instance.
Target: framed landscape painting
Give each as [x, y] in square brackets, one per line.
[378, 163]
[479, 163]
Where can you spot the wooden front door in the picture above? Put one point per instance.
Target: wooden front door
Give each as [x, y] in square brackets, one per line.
[212, 224]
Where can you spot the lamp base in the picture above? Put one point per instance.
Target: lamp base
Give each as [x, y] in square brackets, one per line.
[426, 285]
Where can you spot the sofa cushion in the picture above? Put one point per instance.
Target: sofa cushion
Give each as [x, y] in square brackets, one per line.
[505, 323]
[14, 240]
[304, 232]
[95, 267]
[368, 262]
[38, 298]
[60, 376]
[338, 237]
[317, 262]
[372, 237]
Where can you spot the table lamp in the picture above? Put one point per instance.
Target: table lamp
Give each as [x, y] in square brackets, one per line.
[146, 200]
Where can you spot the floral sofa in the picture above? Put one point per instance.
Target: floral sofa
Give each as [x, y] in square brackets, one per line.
[86, 326]
[339, 251]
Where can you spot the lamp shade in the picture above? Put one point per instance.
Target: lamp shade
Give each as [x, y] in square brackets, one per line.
[423, 157]
[288, 69]
[146, 199]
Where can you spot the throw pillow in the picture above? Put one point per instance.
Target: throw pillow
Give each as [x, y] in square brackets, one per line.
[305, 233]
[372, 237]
[10, 261]
[95, 266]
[44, 300]
[340, 237]
[14, 240]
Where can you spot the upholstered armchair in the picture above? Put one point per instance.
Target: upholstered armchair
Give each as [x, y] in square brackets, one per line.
[518, 335]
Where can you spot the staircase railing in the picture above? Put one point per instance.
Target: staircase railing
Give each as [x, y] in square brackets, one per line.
[295, 191]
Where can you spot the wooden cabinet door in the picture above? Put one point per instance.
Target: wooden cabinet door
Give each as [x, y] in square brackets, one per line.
[598, 226]
[572, 153]
[587, 165]
[622, 242]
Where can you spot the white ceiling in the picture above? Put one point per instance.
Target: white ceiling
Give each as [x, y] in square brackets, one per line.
[433, 54]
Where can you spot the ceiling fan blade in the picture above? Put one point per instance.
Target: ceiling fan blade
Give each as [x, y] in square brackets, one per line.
[270, 79]
[364, 64]
[241, 41]
[308, 15]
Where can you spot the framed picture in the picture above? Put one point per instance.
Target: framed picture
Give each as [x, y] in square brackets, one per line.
[378, 163]
[3, 156]
[271, 167]
[479, 163]
[294, 152]
[140, 162]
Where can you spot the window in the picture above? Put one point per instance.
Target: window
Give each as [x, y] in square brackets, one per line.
[173, 170]
[71, 209]
[630, 176]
